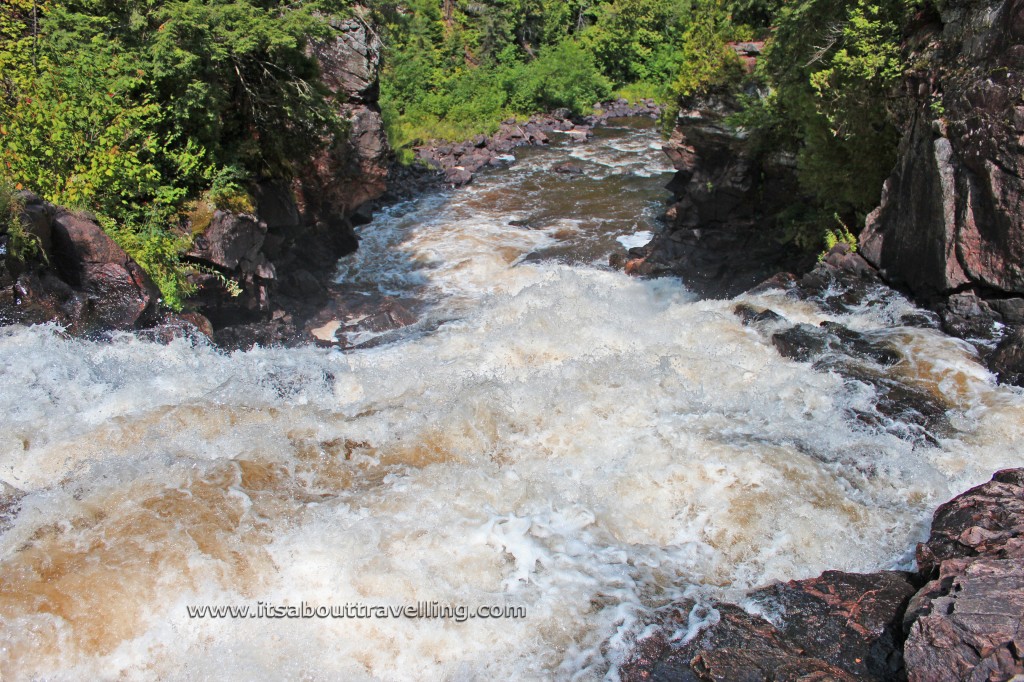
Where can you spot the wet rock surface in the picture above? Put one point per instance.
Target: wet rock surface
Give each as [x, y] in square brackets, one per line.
[986, 521]
[1007, 361]
[839, 283]
[726, 193]
[839, 626]
[965, 623]
[948, 229]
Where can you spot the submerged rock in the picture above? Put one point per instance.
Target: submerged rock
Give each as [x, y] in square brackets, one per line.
[899, 406]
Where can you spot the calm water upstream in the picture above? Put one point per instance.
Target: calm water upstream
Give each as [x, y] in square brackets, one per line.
[550, 435]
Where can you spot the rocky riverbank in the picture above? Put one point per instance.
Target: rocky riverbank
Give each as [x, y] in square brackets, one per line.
[458, 162]
[948, 229]
[958, 617]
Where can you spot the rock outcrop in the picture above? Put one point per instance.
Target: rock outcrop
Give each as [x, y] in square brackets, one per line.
[71, 273]
[281, 256]
[967, 623]
[951, 220]
[838, 626]
[964, 624]
[727, 194]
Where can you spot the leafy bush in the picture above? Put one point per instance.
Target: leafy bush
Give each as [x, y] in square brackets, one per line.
[563, 76]
[20, 244]
[834, 67]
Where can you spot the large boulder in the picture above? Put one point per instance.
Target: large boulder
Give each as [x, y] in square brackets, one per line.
[74, 274]
[234, 277]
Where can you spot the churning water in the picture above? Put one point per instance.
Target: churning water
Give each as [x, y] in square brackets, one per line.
[550, 435]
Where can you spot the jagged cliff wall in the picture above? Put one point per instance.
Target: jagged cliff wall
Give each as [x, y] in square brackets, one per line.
[951, 219]
[278, 255]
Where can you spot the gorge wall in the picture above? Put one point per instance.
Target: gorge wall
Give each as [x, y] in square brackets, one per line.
[728, 193]
[950, 227]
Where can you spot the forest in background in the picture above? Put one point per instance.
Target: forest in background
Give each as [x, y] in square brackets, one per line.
[149, 113]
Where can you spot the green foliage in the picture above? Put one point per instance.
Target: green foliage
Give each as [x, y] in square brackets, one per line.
[21, 245]
[158, 251]
[637, 92]
[228, 192]
[563, 76]
[456, 68]
[10, 207]
[834, 66]
[132, 109]
[838, 235]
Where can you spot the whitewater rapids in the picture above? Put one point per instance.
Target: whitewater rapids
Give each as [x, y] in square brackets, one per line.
[553, 436]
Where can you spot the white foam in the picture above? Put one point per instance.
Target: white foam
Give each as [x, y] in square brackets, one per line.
[636, 239]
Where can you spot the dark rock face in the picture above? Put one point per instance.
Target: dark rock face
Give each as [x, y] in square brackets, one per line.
[851, 620]
[839, 626]
[353, 170]
[973, 629]
[1008, 359]
[950, 217]
[350, 62]
[283, 256]
[726, 193]
[78, 276]
[232, 246]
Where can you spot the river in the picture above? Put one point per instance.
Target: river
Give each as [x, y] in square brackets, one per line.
[549, 435]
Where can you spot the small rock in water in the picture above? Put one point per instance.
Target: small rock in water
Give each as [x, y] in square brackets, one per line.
[748, 314]
[800, 342]
[569, 168]
[1007, 362]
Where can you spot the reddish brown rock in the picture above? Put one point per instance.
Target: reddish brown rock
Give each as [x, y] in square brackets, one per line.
[839, 626]
[984, 521]
[230, 241]
[75, 275]
[968, 622]
[973, 628]
[853, 621]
